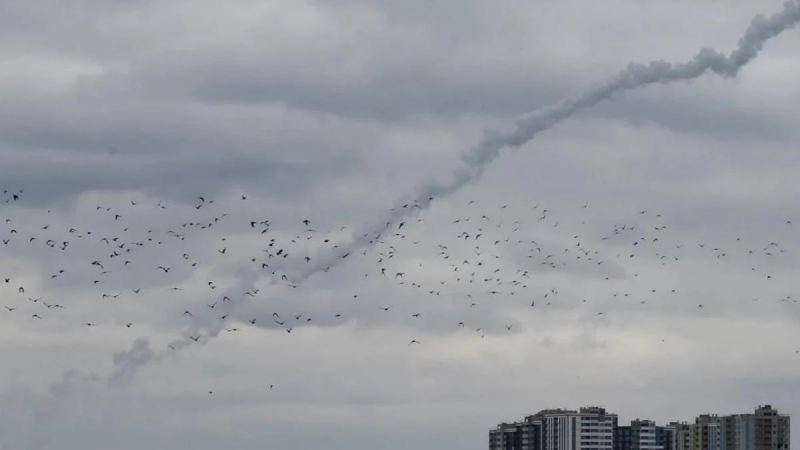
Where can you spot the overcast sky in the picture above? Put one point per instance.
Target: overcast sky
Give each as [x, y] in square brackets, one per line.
[336, 111]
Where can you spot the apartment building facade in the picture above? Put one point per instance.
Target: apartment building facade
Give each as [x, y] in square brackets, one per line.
[643, 435]
[682, 436]
[589, 428]
[765, 429]
[593, 428]
[664, 438]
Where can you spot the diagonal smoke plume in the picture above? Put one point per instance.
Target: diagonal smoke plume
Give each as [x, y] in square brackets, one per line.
[475, 161]
[529, 125]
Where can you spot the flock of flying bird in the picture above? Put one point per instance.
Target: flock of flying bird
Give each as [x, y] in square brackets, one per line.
[498, 255]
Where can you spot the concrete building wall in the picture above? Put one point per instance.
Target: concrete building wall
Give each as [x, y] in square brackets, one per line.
[587, 429]
[681, 436]
[714, 436]
[664, 438]
[593, 428]
[643, 435]
[622, 438]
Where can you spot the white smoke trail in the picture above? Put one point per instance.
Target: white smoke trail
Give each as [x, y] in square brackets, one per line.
[529, 125]
[475, 161]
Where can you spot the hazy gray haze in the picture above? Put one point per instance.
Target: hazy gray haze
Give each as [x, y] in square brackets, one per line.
[352, 114]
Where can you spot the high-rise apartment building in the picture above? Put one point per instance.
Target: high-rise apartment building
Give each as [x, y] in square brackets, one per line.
[665, 437]
[702, 430]
[592, 428]
[714, 436]
[524, 435]
[765, 429]
[504, 437]
[643, 435]
[622, 437]
[589, 428]
[682, 434]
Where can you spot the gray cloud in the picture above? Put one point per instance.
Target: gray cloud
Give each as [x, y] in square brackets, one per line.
[332, 112]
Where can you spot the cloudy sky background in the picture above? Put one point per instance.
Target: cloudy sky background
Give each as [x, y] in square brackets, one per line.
[332, 111]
